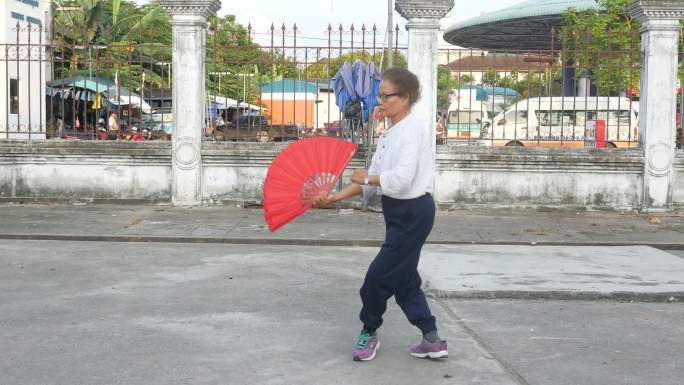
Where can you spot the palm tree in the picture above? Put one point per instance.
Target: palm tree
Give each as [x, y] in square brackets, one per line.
[133, 38]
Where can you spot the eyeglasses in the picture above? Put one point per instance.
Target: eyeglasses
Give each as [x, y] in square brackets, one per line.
[383, 97]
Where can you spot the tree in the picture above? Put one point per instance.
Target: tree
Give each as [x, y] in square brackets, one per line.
[467, 79]
[446, 82]
[326, 68]
[134, 37]
[510, 80]
[490, 78]
[606, 44]
[233, 60]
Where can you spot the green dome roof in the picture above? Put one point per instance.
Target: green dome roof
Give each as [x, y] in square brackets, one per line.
[526, 25]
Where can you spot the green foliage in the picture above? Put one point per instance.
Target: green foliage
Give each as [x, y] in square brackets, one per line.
[231, 59]
[446, 82]
[606, 44]
[110, 37]
[490, 78]
[326, 68]
[466, 79]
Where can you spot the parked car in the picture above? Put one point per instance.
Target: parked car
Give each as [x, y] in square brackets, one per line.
[254, 127]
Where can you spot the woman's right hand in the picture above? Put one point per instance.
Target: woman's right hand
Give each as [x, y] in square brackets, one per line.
[323, 200]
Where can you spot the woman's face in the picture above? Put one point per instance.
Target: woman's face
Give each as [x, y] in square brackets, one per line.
[389, 103]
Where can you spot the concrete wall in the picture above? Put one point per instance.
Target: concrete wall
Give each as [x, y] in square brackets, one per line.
[678, 182]
[235, 172]
[89, 171]
[539, 177]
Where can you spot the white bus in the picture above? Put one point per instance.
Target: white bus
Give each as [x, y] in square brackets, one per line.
[565, 122]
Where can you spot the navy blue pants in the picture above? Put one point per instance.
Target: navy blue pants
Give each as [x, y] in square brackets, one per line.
[394, 271]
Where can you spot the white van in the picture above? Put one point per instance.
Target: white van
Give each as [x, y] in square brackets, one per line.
[565, 122]
[464, 122]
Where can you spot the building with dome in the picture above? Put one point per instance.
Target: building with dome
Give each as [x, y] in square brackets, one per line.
[525, 26]
[523, 32]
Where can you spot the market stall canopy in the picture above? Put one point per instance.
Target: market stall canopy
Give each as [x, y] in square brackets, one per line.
[93, 86]
[223, 102]
[525, 26]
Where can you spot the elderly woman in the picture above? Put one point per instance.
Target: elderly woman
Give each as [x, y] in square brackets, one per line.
[402, 171]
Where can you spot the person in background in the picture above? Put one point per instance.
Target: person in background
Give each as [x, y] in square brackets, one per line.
[440, 130]
[380, 118]
[113, 125]
[402, 172]
[113, 122]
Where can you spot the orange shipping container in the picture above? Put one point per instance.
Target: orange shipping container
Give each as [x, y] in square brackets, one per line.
[290, 111]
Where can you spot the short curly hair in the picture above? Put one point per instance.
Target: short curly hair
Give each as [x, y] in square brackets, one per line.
[405, 81]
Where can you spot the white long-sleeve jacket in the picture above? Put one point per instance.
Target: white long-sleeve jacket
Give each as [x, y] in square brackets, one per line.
[404, 161]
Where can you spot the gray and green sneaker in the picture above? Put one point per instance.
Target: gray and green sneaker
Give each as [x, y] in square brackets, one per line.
[366, 346]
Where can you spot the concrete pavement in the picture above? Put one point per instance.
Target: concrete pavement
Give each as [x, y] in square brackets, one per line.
[231, 224]
[624, 273]
[471, 253]
[149, 313]
[211, 297]
[140, 313]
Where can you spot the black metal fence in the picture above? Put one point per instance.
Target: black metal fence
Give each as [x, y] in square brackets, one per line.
[572, 95]
[284, 90]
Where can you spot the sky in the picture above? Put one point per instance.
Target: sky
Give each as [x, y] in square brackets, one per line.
[313, 16]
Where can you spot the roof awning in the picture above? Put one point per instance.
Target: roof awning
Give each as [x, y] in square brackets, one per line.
[93, 85]
[525, 26]
[225, 103]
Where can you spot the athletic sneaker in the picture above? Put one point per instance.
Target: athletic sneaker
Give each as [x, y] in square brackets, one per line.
[366, 346]
[432, 350]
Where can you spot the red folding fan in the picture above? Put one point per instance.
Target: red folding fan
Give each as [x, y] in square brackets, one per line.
[300, 173]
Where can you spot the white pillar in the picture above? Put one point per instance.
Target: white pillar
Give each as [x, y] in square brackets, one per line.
[423, 30]
[189, 23]
[584, 85]
[657, 109]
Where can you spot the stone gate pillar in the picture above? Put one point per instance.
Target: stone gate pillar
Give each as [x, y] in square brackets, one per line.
[189, 23]
[657, 109]
[423, 18]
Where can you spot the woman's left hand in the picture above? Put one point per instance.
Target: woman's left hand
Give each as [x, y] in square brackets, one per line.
[359, 175]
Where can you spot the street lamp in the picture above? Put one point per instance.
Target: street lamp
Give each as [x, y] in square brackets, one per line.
[244, 85]
[165, 63]
[244, 81]
[219, 76]
[90, 56]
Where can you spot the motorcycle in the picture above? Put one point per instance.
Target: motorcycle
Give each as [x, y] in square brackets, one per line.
[133, 135]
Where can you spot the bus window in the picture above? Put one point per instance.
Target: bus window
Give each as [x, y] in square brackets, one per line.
[556, 118]
[612, 118]
[513, 117]
[581, 118]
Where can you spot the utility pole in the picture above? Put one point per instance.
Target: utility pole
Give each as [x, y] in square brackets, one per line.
[48, 32]
[390, 13]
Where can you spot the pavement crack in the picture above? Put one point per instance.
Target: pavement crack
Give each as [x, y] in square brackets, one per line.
[517, 377]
